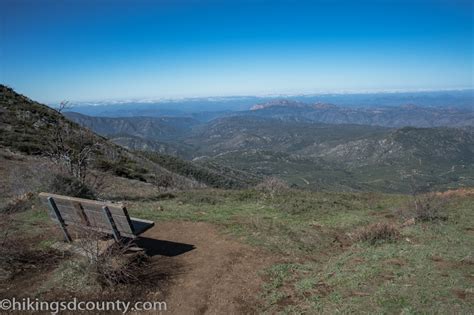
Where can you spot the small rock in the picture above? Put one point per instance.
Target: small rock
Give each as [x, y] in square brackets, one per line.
[316, 224]
[409, 222]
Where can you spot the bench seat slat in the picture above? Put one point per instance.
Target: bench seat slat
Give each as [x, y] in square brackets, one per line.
[94, 218]
[99, 229]
[91, 205]
[89, 214]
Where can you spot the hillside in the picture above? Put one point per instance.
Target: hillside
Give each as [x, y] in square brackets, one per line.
[343, 157]
[164, 128]
[324, 156]
[37, 134]
[249, 132]
[211, 174]
[393, 116]
[405, 146]
[156, 134]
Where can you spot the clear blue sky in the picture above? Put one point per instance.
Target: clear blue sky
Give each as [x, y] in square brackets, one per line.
[93, 50]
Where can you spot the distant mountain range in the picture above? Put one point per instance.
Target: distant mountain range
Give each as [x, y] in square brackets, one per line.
[312, 145]
[401, 116]
[307, 153]
[297, 110]
[207, 108]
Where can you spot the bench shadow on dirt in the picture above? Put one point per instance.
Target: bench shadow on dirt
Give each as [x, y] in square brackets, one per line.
[154, 247]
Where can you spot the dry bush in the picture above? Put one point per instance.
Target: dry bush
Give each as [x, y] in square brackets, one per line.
[272, 186]
[164, 181]
[19, 203]
[108, 263]
[24, 197]
[424, 208]
[70, 186]
[28, 177]
[119, 265]
[377, 233]
[25, 181]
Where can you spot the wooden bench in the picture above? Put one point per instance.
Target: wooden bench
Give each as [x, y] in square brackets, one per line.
[105, 217]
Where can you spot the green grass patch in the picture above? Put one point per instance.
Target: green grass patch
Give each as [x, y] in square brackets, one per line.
[322, 268]
[428, 269]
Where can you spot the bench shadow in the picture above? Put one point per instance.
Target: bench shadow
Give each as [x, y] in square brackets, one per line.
[155, 247]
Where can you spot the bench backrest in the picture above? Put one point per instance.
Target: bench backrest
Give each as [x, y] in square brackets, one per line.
[89, 213]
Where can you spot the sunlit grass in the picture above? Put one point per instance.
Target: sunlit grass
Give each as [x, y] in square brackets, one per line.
[429, 269]
[321, 268]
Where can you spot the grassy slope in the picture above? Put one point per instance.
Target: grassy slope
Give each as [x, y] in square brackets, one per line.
[429, 270]
[215, 176]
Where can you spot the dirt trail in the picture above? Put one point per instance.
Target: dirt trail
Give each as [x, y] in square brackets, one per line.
[215, 275]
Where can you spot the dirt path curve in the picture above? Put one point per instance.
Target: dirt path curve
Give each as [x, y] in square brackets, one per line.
[217, 275]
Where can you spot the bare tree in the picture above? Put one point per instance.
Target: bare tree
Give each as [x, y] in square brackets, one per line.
[71, 147]
[63, 106]
[272, 186]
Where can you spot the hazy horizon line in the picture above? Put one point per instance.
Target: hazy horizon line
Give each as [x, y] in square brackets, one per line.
[217, 97]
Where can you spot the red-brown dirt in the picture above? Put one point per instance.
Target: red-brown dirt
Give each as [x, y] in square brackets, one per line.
[206, 272]
[217, 275]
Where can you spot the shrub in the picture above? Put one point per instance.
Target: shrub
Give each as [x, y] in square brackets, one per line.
[123, 167]
[27, 178]
[244, 195]
[20, 203]
[272, 186]
[118, 267]
[70, 186]
[296, 204]
[164, 180]
[378, 233]
[108, 264]
[424, 208]
[201, 197]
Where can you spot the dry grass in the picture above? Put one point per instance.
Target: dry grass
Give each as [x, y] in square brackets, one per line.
[19, 203]
[119, 266]
[19, 255]
[377, 233]
[105, 262]
[424, 208]
[272, 186]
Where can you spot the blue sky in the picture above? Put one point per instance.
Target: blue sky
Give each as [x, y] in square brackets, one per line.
[103, 49]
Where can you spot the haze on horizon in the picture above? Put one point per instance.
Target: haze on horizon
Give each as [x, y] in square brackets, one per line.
[91, 50]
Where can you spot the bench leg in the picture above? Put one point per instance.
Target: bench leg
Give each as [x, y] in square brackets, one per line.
[111, 221]
[54, 208]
